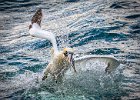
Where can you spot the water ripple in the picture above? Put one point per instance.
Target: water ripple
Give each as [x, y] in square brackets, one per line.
[99, 27]
[125, 4]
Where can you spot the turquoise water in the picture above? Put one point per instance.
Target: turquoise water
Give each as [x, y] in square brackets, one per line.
[91, 27]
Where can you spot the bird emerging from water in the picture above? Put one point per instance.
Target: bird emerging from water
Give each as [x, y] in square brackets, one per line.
[61, 61]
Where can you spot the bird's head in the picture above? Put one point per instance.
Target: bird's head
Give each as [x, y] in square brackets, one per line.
[68, 52]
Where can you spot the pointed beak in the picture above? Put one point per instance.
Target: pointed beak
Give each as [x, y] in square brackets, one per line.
[71, 59]
[72, 63]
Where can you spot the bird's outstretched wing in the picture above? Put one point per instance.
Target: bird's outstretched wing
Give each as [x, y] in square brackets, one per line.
[37, 17]
[36, 31]
[112, 63]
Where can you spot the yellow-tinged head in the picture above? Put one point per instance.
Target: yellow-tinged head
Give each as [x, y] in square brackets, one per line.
[68, 52]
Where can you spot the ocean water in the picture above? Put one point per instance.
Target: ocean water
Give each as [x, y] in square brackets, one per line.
[91, 27]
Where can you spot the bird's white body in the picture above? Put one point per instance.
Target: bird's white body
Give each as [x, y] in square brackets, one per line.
[58, 65]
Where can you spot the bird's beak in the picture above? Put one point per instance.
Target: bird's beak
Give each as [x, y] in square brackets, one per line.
[72, 62]
[71, 59]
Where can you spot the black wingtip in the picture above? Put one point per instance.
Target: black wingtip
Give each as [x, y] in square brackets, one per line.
[37, 17]
[107, 69]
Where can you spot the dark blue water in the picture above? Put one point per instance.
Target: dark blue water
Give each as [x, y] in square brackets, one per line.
[91, 27]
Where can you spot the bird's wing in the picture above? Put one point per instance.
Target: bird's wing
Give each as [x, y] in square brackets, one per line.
[112, 63]
[36, 31]
[37, 17]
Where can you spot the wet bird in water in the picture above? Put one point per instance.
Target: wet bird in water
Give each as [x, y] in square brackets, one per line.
[61, 61]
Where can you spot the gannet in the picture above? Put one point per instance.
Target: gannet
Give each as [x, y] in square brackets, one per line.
[60, 60]
[63, 60]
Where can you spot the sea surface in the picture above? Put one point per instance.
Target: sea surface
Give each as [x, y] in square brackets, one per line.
[91, 27]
